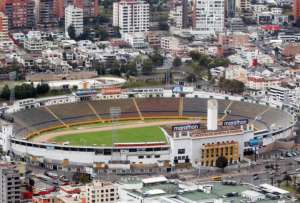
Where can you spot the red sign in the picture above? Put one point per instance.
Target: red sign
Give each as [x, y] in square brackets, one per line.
[111, 90]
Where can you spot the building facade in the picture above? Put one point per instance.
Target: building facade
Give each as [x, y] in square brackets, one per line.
[131, 16]
[20, 13]
[10, 184]
[46, 14]
[3, 27]
[99, 191]
[296, 10]
[208, 15]
[74, 17]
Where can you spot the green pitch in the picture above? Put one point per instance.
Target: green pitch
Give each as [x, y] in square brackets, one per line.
[104, 138]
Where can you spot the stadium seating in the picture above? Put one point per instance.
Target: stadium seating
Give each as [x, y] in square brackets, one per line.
[34, 119]
[127, 107]
[194, 107]
[276, 118]
[158, 106]
[247, 110]
[41, 118]
[72, 113]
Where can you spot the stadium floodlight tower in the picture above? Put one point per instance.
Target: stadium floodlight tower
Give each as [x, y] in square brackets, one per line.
[212, 114]
[115, 113]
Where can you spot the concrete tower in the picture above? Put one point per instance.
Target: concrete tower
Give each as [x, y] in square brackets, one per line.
[212, 114]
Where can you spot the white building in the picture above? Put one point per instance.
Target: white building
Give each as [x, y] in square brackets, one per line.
[209, 15]
[136, 40]
[34, 41]
[74, 17]
[176, 16]
[131, 16]
[10, 184]
[98, 191]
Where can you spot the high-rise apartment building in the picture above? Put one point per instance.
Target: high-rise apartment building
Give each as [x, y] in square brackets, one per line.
[131, 16]
[20, 13]
[208, 15]
[99, 191]
[10, 184]
[3, 27]
[179, 14]
[46, 15]
[243, 5]
[90, 7]
[230, 8]
[296, 10]
[74, 17]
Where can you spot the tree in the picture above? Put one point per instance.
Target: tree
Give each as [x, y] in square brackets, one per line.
[287, 178]
[221, 162]
[5, 94]
[157, 59]
[147, 67]
[177, 62]
[101, 33]
[233, 86]
[191, 78]
[42, 88]
[72, 32]
[25, 91]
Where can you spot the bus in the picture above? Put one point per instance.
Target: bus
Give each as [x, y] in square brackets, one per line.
[216, 178]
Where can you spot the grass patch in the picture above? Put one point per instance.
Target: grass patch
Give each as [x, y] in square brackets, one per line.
[104, 138]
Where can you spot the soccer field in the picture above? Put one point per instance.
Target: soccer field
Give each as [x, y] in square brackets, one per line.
[104, 138]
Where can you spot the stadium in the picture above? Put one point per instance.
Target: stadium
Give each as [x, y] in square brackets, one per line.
[132, 131]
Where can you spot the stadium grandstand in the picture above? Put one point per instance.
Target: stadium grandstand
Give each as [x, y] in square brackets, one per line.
[48, 116]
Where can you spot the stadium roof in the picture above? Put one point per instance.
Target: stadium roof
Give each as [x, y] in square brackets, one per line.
[272, 189]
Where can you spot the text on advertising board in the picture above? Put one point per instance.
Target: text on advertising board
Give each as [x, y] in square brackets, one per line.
[186, 127]
[235, 122]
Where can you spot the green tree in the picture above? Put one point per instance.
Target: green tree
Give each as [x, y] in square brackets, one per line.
[287, 178]
[72, 32]
[157, 59]
[5, 94]
[42, 88]
[25, 91]
[232, 86]
[101, 33]
[147, 67]
[177, 62]
[191, 78]
[221, 162]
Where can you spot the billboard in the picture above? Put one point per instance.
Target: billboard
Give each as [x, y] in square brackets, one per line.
[186, 127]
[111, 90]
[182, 89]
[235, 122]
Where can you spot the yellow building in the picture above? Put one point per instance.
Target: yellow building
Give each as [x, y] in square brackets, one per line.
[211, 152]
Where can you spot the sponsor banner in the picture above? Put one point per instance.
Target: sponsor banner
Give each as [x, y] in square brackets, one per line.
[235, 122]
[186, 127]
[111, 90]
[182, 89]
[255, 142]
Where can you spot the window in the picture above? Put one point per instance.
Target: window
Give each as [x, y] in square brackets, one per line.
[181, 151]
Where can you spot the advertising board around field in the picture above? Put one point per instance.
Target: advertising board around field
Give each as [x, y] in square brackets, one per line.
[235, 122]
[111, 90]
[186, 127]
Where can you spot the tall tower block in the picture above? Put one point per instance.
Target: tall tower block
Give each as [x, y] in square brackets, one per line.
[212, 114]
